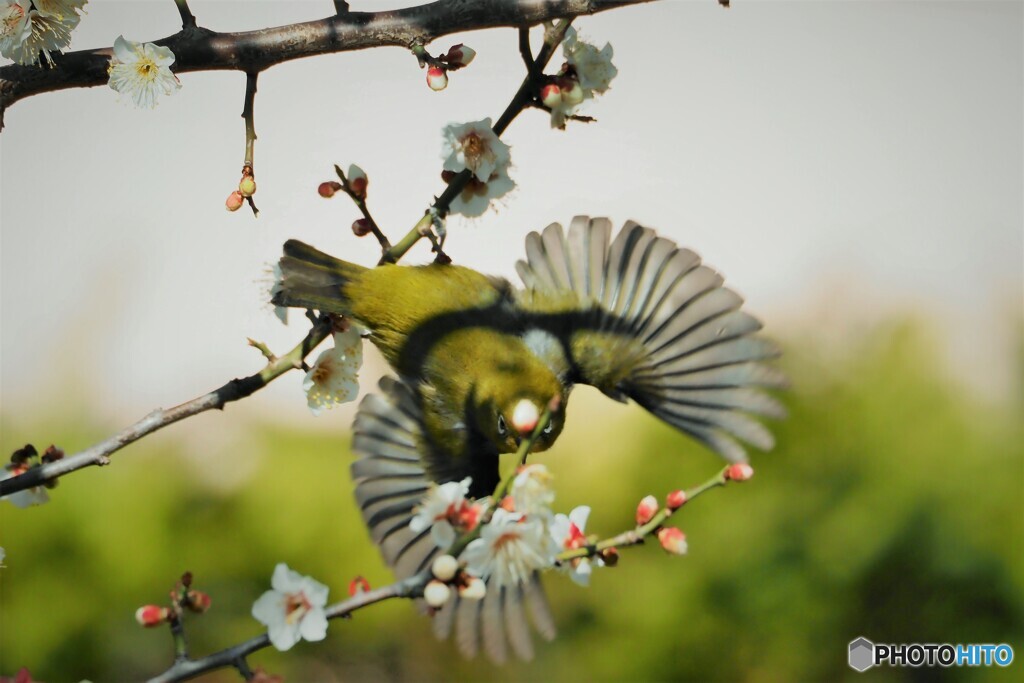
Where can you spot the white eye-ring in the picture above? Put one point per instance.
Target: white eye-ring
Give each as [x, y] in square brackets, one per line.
[549, 428]
[502, 429]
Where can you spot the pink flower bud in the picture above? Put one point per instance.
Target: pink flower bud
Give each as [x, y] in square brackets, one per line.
[675, 500]
[460, 55]
[361, 227]
[445, 567]
[646, 510]
[572, 92]
[247, 186]
[437, 78]
[328, 188]
[672, 540]
[357, 181]
[739, 472]
[551, 95]
[358, 585]
[151, 615]
[234, 201]
[198, 601]
[436, 593]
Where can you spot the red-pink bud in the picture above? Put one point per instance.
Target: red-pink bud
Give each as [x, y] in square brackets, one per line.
[358, 585]
[437, 78]
[328, 188]
[646, 510]
[357, 181]
[151, 615]
[460, 55]
[361, 227]
[198, 601]
[741, 471]
[672, 540]
[234, 201]
[675, 500]
[551, 95]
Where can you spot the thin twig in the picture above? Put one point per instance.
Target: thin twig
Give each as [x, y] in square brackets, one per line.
[519, 102]
[247, 114]
[637, 535]
[234, 390]
[341, 7]
[360, 203]
[188, 20]
[190, 668]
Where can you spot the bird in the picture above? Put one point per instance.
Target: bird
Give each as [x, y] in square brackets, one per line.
[477, 360]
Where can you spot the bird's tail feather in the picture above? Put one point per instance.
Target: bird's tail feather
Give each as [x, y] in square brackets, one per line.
[313, 279]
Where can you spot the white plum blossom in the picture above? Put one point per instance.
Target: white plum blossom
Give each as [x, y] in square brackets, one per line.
[510, 548]
[333, 379]
[567, 531]
[35, 495]
[531, 491]
[593, 67]
[142, 71]
[14, 26]
[587, 72]
[293, 610]
[474, 146]
[43, 28]
[447, 512]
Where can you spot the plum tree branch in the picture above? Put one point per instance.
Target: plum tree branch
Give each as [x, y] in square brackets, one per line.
[184, 669]
[234, 390]
[199, 49]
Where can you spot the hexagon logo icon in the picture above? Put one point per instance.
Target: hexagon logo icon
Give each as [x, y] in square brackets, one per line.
[862, 654]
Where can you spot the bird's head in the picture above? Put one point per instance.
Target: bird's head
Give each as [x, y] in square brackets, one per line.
[511, 407]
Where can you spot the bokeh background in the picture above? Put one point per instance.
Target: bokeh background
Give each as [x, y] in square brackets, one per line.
[853, 168]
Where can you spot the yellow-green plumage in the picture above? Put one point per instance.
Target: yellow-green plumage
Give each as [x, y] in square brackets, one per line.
[637, 317]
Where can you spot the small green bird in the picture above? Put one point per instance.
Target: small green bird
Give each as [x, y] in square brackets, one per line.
[478, 360]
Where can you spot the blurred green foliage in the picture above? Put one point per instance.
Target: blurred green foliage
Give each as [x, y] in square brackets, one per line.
[891, 508]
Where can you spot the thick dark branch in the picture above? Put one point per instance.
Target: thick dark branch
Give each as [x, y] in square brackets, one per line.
[253, 51]
[232, 391]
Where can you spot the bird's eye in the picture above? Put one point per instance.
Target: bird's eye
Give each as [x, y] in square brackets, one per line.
[502, 429]
[549, 428]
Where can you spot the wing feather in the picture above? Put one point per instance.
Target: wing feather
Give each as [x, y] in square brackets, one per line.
[391, 479]
[679, 342]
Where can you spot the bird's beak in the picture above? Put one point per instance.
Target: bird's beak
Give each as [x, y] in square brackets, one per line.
[525, 416]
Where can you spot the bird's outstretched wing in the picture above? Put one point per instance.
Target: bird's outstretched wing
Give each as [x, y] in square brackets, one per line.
[391, 477]
[644, 319]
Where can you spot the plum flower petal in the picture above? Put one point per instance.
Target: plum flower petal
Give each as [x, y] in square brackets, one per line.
[593, 67]
[567, 532]
[531, 491]
[333, 379]
[293, 609]
[510, 549]
[447, 512]
[29, 31]
[475, 147]
[142, 71]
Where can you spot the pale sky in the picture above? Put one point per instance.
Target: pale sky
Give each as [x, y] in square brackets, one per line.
[837, 161]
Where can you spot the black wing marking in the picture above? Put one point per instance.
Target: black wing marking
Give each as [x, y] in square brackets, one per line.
[391, 480]
[682, 348]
